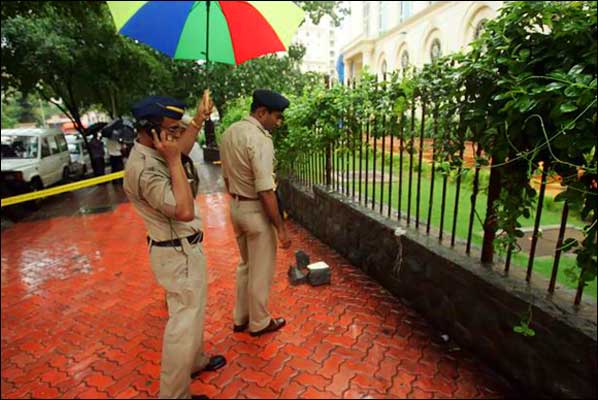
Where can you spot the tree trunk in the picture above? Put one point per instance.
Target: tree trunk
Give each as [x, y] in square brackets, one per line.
[113, 114]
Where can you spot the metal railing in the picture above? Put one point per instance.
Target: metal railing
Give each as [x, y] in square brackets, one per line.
[383, 168]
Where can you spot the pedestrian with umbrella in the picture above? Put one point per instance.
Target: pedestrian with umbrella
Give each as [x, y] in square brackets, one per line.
[228, 32]
[161, 182]
[231, 32]
[97, 154]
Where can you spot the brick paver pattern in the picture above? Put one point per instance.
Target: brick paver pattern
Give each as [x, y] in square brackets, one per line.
[83, 317]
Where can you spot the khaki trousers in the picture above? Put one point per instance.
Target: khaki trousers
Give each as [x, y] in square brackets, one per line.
[256, 238]
[182, 273]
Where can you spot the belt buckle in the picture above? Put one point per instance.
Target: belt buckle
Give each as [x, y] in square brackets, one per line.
[197, 238]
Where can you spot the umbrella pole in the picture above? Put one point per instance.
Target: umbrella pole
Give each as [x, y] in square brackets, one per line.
[207, 38]
[208, 125]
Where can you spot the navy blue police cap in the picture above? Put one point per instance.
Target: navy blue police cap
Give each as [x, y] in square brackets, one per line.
[159, 106]
[270, 99]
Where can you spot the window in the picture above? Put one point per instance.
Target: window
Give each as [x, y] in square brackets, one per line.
[382, 16]
[62, 146]
[45, 148]
[53, 145]
[74, 149]
[479, 28]
[366, 17]
[435, 50]
[19, 146]
[404, 61]
[406, 10]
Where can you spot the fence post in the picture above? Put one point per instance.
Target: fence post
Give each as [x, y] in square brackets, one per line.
[328, 165]
[490, 222]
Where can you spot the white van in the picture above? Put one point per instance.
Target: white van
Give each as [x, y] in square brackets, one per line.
[33, 159]
[80, 159]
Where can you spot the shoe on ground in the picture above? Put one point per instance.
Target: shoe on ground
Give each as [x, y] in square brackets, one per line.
[216, 362]
[274, 325]
[240, 328]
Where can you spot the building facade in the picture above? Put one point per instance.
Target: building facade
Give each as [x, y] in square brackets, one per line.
[60, 121]
[320, 46]
[387, 36]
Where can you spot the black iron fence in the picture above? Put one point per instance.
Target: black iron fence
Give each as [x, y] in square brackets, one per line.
[390, 166]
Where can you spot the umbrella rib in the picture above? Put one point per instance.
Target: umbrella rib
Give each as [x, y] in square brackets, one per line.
[195, 5]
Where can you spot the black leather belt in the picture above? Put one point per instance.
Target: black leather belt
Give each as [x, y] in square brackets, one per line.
[196, 238]
[242, 198]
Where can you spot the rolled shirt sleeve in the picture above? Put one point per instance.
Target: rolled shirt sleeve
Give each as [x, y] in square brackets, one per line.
[224, 168]
[156, 189]
[261, 155]
[224, 172]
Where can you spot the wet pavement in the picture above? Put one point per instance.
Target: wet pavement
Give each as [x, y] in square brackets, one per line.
[82, 316]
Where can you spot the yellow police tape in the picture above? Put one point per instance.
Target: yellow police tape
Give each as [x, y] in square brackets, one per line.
[8, 201]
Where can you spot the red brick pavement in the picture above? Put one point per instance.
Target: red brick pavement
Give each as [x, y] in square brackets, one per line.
[82, 317]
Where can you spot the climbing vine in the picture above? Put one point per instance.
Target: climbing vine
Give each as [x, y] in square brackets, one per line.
[530, 101]
[525, 92]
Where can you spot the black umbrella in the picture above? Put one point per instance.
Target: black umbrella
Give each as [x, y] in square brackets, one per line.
[95, 128]
[120, 129]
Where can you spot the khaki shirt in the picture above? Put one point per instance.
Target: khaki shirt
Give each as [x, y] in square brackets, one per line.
[148, 186]
[247, 155]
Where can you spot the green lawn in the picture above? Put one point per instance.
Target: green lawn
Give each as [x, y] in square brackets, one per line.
[551, 214]
[543, 266]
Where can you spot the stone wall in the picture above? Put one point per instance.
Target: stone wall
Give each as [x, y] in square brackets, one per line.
[474, 304]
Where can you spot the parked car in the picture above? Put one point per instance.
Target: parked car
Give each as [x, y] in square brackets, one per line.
[80, 159]
[33, 159]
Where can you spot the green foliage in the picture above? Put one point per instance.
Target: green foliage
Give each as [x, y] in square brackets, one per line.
[317, 9]
[25, 109]
[525, 93]
[340, 114]
[71, 51]
[235, 111]
[275, 72]
[11, 112]
[529, 87]
[524, 325]
[70, 54]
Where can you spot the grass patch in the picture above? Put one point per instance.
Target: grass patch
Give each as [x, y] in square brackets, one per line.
[551, 214]
[543, 266]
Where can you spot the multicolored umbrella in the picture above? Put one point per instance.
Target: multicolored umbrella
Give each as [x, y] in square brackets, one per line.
[230, 32]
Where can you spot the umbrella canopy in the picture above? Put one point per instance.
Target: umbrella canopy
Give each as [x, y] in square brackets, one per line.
[95, 128]
[232, 31]
[121, 130]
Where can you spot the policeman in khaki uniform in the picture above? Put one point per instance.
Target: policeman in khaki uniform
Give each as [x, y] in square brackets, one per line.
[161, 182]
[247, 155]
